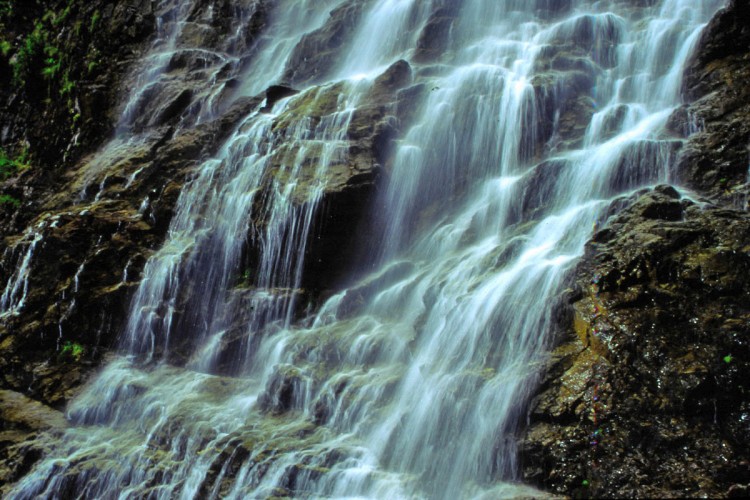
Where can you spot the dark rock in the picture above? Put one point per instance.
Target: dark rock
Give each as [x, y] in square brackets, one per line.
[317, 52]
[276, 92]
[434, 37]
[97, 232]
[652, 373]
[174, 108]
[715, 159]
[25, 428]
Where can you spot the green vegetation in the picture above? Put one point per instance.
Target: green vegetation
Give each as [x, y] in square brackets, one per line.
[6, 199]
[72, 349]
[6, 11]
[52, 62]
[59, 17]
[29, 50]
[41, 51]
[67, 85]
[6, 8]
[95, 17]
[9, 166]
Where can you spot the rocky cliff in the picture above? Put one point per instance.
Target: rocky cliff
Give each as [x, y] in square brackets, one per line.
[87, 197]
[646, 393]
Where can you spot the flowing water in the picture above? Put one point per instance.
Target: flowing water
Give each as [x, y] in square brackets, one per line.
[412, 382]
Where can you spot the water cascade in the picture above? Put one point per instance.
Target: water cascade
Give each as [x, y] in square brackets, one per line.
[412, 381]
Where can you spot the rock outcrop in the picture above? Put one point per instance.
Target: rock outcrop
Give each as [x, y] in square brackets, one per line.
[88, 216]
[716, 157]
[26, 428]
[647, 393]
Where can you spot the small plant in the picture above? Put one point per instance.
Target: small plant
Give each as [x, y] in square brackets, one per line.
[6, 8]
[59, 17]
[9, 167]
[67, 84]
[6, 199]
[51, 64]
[31, 47]
[5, 47]
[72, 349]
[94, 20]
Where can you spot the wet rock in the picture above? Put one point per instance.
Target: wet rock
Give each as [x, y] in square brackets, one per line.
[199, 80]
[317, 52]
[25, 426]
[276, 92]
[285, 390]
[96, 233]
[715, 159]
[352, 174]
[646, 393]
[563, 106]
[435, 35]
[68, 114]
[21, 412]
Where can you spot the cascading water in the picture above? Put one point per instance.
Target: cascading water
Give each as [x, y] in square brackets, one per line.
[412, 382]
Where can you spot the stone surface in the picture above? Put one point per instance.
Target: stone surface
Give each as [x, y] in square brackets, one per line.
[25, 428]
[317, 51]
[101, 212]
[647, 393]
[716, 158]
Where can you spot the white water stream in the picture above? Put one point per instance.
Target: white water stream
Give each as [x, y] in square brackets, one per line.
[413, 382]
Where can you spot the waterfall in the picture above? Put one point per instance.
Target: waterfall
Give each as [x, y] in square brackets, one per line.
[412, 381]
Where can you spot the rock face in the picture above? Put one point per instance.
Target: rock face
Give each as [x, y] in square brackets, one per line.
[647, 393]
[25, 427]
[62, 66]
[715, 160]
[65, 62]
[89, 209]
[92, 240]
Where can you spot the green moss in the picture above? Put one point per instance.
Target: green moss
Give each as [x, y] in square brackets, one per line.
[30, 49]
[314, 104]
[6, 8]
[10, 166]
[67, 85]
[52, 63]
[59, 17]
[95, 17]
[73, 350]
[6, 199]
[5, 47]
